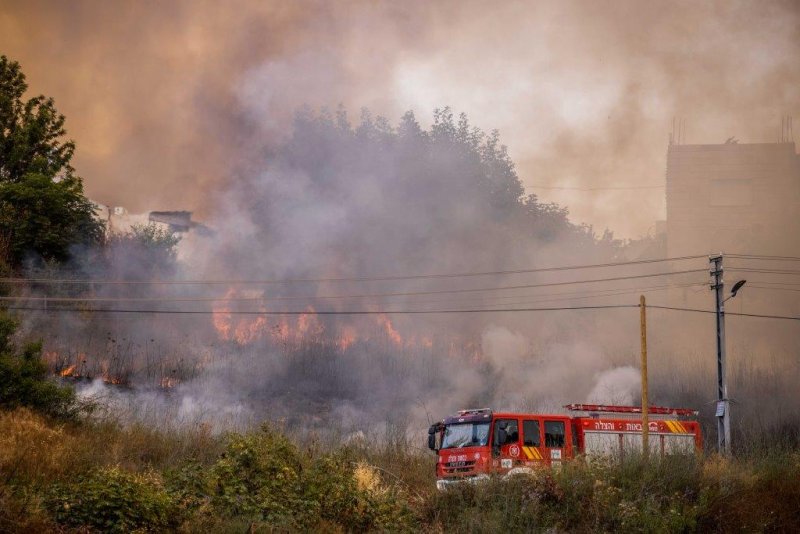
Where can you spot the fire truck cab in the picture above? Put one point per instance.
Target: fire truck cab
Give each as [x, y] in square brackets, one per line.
[476, 443]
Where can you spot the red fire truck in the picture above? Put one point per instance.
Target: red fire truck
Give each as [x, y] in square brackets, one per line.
[473, 444]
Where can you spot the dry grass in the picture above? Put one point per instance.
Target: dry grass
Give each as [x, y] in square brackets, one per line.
[759, 492]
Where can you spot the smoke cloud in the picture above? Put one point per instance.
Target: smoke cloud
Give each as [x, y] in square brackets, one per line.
[168, 103]
[192, 105]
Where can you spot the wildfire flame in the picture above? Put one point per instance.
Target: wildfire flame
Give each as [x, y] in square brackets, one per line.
[69, 371]
[168, 382]
[347, 337]
[281, 331]
[247, 329]
[242, 329]
[393, 335]
[308, 324]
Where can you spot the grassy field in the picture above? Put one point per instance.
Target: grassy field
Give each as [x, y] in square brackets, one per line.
[86, 475]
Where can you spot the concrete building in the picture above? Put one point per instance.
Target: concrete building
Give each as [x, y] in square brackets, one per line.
[733, 198]
[737, 199]
[119, 221]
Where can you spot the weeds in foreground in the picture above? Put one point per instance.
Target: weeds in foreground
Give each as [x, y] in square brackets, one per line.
[88, 476]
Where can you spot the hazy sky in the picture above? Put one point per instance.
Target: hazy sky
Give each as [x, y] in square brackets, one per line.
[168, 100]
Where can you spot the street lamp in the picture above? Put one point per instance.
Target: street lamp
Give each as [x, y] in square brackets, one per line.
[735, 289]
[723, 405]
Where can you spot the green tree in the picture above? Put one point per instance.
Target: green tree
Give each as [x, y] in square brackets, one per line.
[43, 210]
[146, 251]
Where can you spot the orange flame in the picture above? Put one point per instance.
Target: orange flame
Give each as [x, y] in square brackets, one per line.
[243, 330]
[68, 371]
[308, 324]
[388, 327]
[281, 331]
[248, 331]
[347, 337]
[168, 382]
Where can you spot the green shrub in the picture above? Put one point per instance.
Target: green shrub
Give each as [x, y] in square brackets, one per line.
[24, 380]
[632, 496]
[190, 486]
[113, 500]
[258, 476]
[355, 497]
[263, 476]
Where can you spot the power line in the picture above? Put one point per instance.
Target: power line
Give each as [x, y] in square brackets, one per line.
[780, 284]
[612, 188]
[566, 296]
[774, 288]
[764, 271]
[726, 313]
[390, 312]
[764, 316]
[446, 291]
[346, 279]
[571, 296]
[560, 297]
[765, 258]
[314, 312]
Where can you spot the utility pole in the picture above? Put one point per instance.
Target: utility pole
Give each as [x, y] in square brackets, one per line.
[723, 405]
[645, 403]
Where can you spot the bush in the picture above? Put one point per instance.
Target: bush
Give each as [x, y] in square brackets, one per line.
[190, 486]
[262, 476]
[113, 500]
[259, 476]
[21, 513]
[24, 380]
[657, 496]
[353, 495]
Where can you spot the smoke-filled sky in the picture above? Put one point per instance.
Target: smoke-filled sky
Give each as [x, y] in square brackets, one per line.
[168, 101]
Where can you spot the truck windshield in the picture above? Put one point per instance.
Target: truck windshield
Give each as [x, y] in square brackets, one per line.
[465, 435]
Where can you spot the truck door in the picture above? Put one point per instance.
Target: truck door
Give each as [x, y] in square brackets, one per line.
[532, 441]
[505, 444]
[555, 441]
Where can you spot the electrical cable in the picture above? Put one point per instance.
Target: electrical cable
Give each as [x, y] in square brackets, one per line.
[610, 188]
[314, 312]
[752, 286]
[568, 296]
[726, 313]
[392, 312]
[774, 283]
[763, 271]
[449, 291]
[352, 279]
[765, 258]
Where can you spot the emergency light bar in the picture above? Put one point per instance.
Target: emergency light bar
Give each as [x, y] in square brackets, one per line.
[474, 411]
[603, 408]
